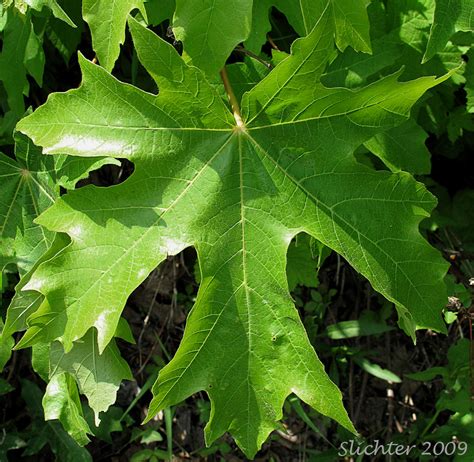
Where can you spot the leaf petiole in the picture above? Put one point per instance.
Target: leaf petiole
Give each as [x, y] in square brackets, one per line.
[232, 98]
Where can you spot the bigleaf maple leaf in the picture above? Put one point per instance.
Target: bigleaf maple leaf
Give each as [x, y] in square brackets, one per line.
[238, 186]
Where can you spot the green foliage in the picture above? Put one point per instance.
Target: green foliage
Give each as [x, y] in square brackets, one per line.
[98, 375]
[31, 185]
[367, 324]
[242, 156]
[40, 434]
[21, 55]
[61, 402]
[402, 148]
[22, 28]
[199, 25]
[28, 190]
[107, 24]
[64, 37]
[38, 5]
[237, 153]
[349, 21]
[448, 19]
[6, 344]
[455, 397]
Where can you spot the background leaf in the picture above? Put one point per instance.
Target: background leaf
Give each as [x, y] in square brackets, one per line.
[98, 375]
[210, 29]
[61, 401]
[107, 23]
[449, 17]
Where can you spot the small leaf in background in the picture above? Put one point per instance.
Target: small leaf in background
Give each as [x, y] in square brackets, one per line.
[110, 422]
[61, 402]
[38, 5]
[10, 442]
[305, 257]
[5, 387]
[376, 370]
[368, 324]
[107, 24]
[65, 37]
[409, 20]
[449, 17]
[26, 302]
[459, 120]
[244, 76]
[210, 29]
[6, 345]
[20, 55]
[450, 317]
[146, 436]
[97, 375]
[28, 189]
[458, 291]
[349, 25]
[428, 374]
[158, 11]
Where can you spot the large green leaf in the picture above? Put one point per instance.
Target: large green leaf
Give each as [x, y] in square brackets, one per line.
[238, 189]
[107, 23]
[349, 20]
[352, 69]
[449, 17]
[159, 10]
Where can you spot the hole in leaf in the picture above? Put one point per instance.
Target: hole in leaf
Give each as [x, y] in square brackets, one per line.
[109, 175]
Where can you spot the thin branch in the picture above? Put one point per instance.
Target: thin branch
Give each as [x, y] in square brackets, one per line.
[252, 55]
[272, 43]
